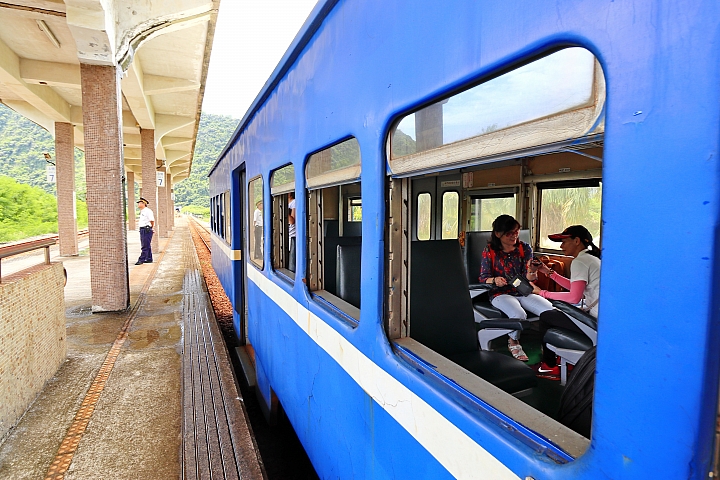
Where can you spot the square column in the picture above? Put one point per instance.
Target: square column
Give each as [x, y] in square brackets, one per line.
[161, 227]
[65, 176]
[149, 187]
[131, 205]
[170, 204]
[104, 169]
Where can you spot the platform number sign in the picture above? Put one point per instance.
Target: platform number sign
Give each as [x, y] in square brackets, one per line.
[50, 171]
[160, 178]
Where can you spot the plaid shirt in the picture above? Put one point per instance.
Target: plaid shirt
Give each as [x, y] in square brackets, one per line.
[508, 265]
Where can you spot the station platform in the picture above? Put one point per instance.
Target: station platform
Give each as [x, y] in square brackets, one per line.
[148, 393]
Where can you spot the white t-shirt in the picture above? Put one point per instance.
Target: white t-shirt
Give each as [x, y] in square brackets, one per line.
[258, 218]
[291, 226]
[146, 216]
[586, 267]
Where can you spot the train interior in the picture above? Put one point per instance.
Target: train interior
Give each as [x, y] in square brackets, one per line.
[451, 215]
[450, 178]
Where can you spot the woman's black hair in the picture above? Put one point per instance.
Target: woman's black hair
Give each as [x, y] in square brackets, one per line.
[502, 225]
[594, 250]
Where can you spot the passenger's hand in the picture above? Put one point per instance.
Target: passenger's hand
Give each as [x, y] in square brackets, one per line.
[545, 269]
[536, 289]
[500, 281]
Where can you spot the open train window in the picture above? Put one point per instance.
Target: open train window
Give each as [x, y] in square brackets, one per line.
[486, 206]
[256, 219]
[563, 204]
[334, 227]
[282, 189]
[455, 166]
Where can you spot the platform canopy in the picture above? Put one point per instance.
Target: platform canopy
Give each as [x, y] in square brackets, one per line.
[162, 46]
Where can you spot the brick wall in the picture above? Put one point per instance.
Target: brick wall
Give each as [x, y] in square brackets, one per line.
[32, 337]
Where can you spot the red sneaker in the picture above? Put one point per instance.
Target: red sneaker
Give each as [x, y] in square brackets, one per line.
[551, 373]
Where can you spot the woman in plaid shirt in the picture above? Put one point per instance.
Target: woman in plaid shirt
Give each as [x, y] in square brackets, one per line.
[504, 258]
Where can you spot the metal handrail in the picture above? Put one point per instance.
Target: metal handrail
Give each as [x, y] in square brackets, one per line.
[23, 247]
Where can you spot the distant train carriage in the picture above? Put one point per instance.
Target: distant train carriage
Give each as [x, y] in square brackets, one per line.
[352, 205]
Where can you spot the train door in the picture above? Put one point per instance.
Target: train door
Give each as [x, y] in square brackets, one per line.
[241, 243]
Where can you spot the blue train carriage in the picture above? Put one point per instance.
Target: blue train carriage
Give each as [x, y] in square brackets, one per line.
[404, 128]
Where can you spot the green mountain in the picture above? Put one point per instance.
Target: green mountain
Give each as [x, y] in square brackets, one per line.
[213, 134]
[22, 148]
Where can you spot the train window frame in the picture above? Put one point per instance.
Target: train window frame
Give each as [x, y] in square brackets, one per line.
[257, 262]
[489, 150]
[538, 226]
[282, 184]
[330, 194]
[227, 224]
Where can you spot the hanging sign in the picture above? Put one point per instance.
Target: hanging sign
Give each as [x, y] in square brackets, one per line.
[160, 179]
[50, 171]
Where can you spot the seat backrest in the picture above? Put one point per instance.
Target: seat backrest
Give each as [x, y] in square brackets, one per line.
[348, 273]
[330, 245]
[475, 243]
[441, 314]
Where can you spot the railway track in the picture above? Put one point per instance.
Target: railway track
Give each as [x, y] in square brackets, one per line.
[202, 232]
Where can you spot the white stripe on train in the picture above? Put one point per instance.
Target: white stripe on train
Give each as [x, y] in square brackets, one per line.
[449, 445]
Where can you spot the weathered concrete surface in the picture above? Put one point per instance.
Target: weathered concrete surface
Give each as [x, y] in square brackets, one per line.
[135, 429]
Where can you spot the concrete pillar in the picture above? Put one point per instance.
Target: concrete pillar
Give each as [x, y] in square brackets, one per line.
[65, 182]
[132, 206]
[162, 215]
[104, 169]
[171, 204]
[149, 187]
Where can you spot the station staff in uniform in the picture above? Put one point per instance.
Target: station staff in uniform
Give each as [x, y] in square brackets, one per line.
[146, 224]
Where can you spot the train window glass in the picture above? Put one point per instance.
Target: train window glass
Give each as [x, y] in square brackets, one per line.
[256, 219]
[485, 209]
[226, 208]
[424, 216]
[335, 165]
[549, 100]
[562, 205]
[334, 222]
[212, 213]
[450, 215]
[354, 209]
[282, 189]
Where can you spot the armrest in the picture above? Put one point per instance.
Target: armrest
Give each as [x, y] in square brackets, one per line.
[508, 323]
[576, 313]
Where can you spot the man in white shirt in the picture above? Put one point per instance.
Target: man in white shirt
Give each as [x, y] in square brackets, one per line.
[291, 231]
[258, 230]
[146, 224]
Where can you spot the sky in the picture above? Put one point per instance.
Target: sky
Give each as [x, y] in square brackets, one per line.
[251, 37]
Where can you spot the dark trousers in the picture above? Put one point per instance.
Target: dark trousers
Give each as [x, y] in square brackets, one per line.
[549, 319]
[145, 249]
[291, 255]
[257, 248]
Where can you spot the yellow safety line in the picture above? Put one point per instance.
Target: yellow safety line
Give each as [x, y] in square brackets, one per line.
[70, 443]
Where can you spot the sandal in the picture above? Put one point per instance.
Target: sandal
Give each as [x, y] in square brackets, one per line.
[517, 352]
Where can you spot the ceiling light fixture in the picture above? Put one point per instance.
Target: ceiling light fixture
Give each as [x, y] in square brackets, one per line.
[48, 33]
